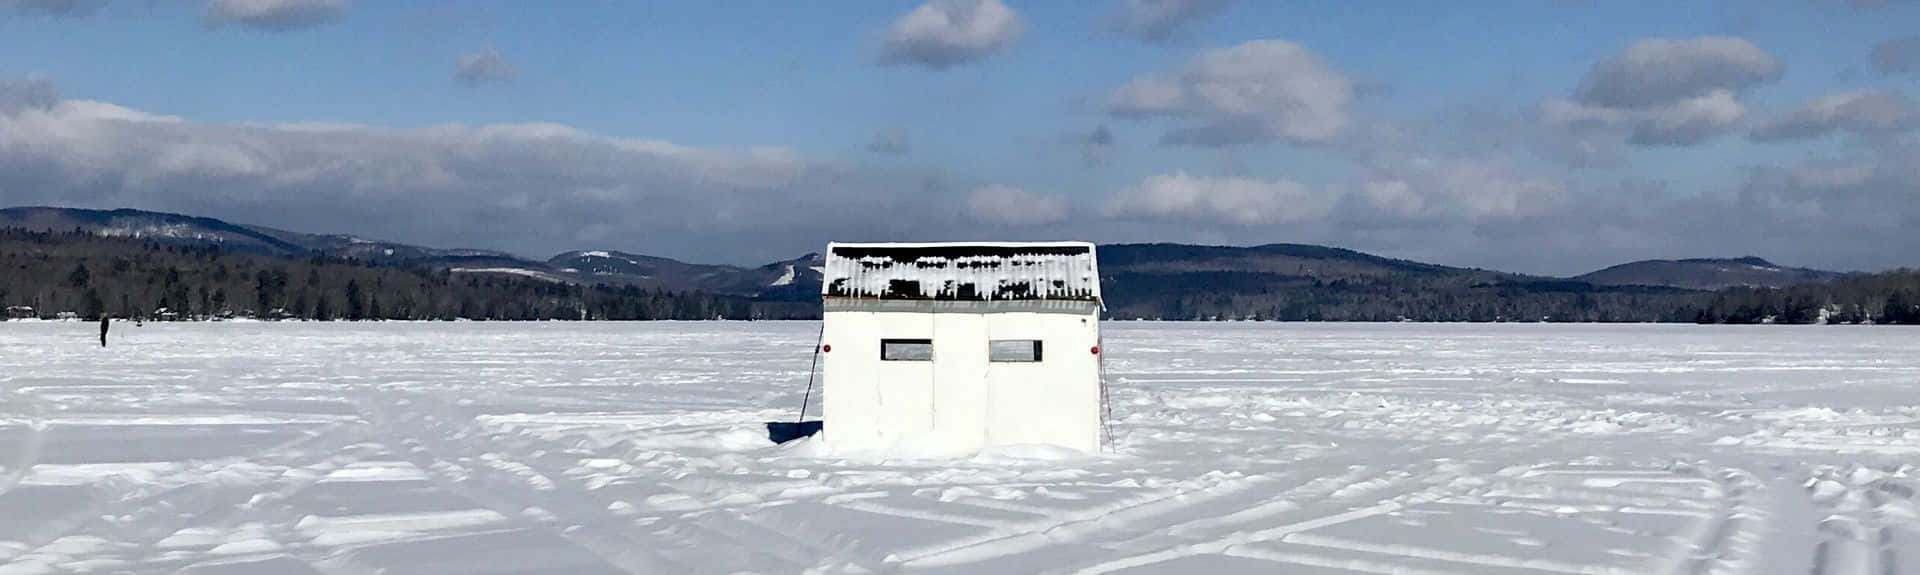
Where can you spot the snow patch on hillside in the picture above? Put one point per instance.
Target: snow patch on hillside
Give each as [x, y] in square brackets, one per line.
[169, 231]
[536, 274]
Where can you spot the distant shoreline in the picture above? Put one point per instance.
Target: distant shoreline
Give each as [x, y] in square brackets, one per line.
[815, 320]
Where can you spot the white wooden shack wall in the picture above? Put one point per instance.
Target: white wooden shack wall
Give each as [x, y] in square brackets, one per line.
[960, 401]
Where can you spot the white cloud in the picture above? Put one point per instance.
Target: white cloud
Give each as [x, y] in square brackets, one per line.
[1868, 197]
[483, 67]
[1237, 201]
[945, 33]
[30, 92]
[1820, 178]
[1009, 206]
[1663, 92]
[1156, 20]
[456, 185]
[1860, 112]
[1451, 190]
[1254, 92]
[276, 15]
[1149, 96]
[1659, 71]
[1450, 200]
[1689, 121]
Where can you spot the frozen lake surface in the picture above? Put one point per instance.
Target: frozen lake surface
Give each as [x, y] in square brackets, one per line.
[1238, 448]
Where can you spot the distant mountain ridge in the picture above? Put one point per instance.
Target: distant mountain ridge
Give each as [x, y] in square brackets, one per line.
[134, 263]
[1706, 274]
[177, 228]
[154, 225]
[771, 281]
[1141, 277]
[785, 280]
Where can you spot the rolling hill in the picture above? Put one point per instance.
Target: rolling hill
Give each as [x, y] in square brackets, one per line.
[1706, 274]
[1295, 282]
[792, 280]
[188, 230]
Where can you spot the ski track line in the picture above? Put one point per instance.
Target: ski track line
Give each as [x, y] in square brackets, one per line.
[268, 506]
[18, 469]
[1069, 526]
[762, 534]
[1891, 538]
[1546, 493]
[1861, 536]
[743, 530]
[1311, 560]
[507, 496]
[1837, 549]
[509, 484]
[1132, 515]
[1479, 559]
[1270, 534]
[953, 518]
[1848, 550]
[1284, 502]
[1441, 483]
[1730, 543]
[161, 507]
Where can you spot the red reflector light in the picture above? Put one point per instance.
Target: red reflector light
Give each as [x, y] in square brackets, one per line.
[826, 348]
[1096, 350]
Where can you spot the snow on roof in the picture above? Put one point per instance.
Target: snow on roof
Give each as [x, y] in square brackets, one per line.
[973, 271]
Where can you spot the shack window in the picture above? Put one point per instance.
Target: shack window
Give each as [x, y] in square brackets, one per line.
[906, 350]
[1013, 350]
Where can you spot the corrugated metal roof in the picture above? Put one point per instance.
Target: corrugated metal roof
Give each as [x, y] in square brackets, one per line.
[961, 271]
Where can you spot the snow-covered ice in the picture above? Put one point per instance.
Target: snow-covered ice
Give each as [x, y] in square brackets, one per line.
[1236, 448]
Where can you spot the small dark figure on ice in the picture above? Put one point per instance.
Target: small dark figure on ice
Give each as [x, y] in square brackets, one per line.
[103, 331]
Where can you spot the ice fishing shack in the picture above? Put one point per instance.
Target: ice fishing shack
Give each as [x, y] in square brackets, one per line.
[959, 346]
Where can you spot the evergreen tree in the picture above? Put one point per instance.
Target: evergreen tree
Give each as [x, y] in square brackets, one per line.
[80, 277]
[91, 306]
[356, 308]
[1901, 308]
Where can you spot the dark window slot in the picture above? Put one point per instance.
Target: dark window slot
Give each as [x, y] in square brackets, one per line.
[1013, 351]
[906, 350]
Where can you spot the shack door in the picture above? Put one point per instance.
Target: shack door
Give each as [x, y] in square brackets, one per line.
[903, 385]
[960, 400]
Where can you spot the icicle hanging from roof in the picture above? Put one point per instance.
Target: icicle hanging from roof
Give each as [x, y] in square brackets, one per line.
[963, 271]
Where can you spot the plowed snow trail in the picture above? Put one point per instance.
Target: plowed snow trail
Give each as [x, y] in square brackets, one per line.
[1241, 448]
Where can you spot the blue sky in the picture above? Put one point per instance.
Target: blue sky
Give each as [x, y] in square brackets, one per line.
[1445, 99]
